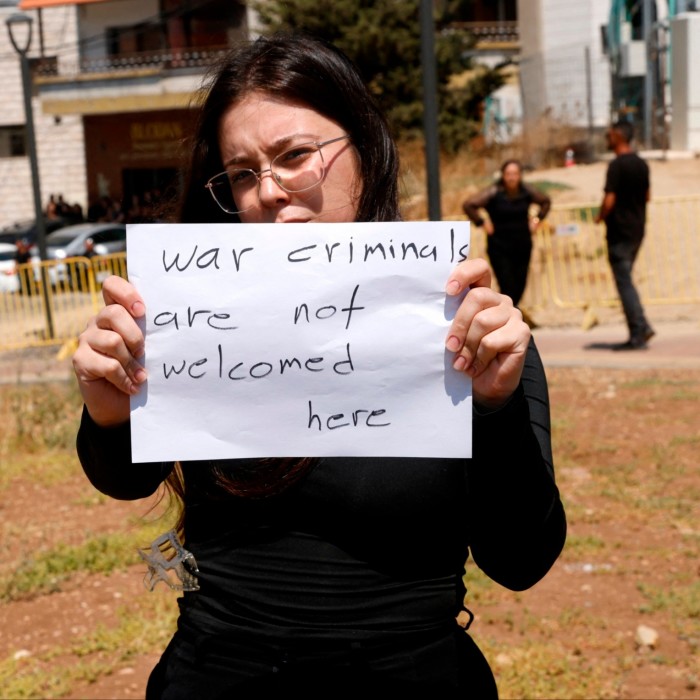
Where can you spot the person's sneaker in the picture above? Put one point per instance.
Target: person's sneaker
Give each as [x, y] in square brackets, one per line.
[631, 344]
[649, 333]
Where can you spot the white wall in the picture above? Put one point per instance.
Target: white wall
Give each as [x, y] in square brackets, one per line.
[685, 82]
[554, 36]
[60, 147]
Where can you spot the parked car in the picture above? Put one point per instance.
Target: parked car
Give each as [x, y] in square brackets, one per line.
[8, 274]
[69, 242]
[27, 229]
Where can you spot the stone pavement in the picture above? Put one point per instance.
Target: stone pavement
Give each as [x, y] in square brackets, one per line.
[676, 345]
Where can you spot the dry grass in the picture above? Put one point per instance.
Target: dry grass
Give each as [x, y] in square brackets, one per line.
[476, 166]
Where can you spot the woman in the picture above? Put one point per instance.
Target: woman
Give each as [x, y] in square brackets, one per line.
[509, 226]
[329, 575]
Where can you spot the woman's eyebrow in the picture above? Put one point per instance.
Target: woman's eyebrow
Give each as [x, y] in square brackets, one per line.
[276, 147]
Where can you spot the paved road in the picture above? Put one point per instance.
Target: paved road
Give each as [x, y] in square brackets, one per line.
[676, 345]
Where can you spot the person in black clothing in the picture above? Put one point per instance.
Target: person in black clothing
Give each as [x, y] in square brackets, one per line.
[328, 576]
[623, 210]
[509, 226]
[25, 275]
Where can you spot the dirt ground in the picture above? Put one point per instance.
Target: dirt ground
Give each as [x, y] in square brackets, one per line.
[631, 530]
[675, 175]
[587, 609]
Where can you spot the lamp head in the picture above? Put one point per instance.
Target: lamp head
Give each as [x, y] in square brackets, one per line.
[19, 28]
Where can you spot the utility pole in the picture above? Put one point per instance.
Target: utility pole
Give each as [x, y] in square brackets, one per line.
[649, 73]
[430, 117]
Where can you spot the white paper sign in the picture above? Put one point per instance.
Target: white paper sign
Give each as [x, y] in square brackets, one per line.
[298, 340]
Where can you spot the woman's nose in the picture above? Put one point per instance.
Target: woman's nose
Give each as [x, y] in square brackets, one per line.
[271, 194]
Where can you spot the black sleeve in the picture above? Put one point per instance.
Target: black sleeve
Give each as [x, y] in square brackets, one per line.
[474, 204]
[542, 200]
[612, 177]
[518, 523]
[105, 455]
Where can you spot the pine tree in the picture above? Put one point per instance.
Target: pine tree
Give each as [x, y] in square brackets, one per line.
[383, 38]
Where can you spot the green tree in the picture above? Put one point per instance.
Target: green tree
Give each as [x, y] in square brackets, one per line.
[383, 38]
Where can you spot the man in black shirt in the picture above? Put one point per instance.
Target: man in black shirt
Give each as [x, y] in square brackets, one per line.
[624, 211]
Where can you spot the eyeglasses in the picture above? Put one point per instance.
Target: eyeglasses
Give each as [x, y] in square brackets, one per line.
[297, 169]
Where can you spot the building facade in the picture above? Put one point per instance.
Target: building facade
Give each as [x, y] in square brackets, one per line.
[114, 83]
[564, 72]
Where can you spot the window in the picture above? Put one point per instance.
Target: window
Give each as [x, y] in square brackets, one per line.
[13, 141]
[110, 236]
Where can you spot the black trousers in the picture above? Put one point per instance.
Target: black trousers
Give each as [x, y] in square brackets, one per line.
[511, 268]
[184, 673]
[621, 256]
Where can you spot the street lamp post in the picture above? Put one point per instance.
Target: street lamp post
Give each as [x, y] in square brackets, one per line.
[430, 110]
[22, 24]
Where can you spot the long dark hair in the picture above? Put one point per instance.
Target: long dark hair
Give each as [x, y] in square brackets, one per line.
[304, 70]
[312, 72]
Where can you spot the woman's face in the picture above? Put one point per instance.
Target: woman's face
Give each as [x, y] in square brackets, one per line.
[257, 128]
[511, 176]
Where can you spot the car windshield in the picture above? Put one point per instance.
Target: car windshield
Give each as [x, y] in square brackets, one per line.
[60, 238]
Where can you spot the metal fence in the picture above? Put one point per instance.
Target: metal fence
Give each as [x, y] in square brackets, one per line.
[49, 303]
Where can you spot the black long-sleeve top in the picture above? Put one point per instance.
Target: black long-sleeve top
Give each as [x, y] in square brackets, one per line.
[361, 548]
[509, 214]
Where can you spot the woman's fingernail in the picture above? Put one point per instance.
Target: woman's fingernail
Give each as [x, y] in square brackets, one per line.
[453, 343]
[140, 376]
[138, 309]
[460, 363]
[133, 389]
[452, 287]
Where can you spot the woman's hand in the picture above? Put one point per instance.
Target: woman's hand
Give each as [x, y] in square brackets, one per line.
[488, 335]
[488, 227]
[106, 361]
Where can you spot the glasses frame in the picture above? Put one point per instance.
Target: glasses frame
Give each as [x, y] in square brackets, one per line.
[278, 180]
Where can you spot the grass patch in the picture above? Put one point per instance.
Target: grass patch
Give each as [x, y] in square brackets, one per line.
[545, 670]
[548, 186]
[145, 626]
[38, 417]
[579, 546]
[46, 572]
[681, 601]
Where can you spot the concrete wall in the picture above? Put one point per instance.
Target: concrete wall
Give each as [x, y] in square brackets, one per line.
[60, 147]
[685, 82]
[555, 35]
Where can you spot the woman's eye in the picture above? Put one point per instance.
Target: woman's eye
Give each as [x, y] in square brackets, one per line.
[241, 177]
[296, 155]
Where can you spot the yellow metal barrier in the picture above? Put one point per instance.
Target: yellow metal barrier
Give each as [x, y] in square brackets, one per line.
[48, 303]
[569, 267]
[569, 270]
[667, 270]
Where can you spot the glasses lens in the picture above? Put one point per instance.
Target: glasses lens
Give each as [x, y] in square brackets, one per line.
[235, 191]
[297, 169]
[300, 168]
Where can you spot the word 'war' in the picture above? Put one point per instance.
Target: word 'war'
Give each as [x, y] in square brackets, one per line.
[238, 371]
[358, 417]
[348, 251]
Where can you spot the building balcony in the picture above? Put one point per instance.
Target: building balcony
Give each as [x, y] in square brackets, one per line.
[491, 37]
